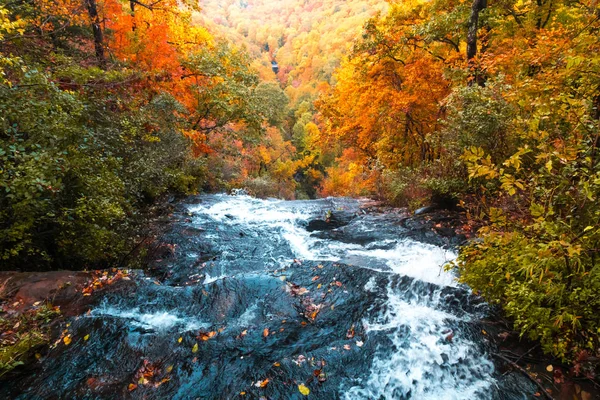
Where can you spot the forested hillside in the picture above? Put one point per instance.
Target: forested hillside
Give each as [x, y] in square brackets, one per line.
[308, 41]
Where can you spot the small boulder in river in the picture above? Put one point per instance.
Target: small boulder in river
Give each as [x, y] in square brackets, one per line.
[333, 220]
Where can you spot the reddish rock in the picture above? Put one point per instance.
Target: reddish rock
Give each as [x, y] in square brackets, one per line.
[61, 288]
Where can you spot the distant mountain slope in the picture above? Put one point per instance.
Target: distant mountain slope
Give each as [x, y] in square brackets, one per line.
[307, 38]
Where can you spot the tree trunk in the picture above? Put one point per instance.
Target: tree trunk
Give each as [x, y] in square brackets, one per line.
[132, 7]
[97, 30]
[476, 8]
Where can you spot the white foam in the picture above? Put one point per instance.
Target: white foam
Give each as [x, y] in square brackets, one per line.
[424, 365]
[411, 258]
[157, 321]
[210, 279]
[417, 260]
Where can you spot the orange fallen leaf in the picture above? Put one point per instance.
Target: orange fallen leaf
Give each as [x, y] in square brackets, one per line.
[266, 332]
[350, 333]
[204, 336]
[132, 387]
[67, 340]
[262, 384]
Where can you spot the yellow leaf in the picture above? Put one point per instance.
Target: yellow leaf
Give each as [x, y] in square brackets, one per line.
[303, 389]
[86, 337]
[169, 369]
[179, 340]
[195, 348]
[67, 339]
[550, 368]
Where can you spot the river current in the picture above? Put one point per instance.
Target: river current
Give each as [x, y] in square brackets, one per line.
[252, 301]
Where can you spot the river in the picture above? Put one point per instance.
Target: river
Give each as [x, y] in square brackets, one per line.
[253, 300]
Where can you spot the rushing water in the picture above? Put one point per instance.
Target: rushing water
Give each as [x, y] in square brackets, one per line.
[250, 294]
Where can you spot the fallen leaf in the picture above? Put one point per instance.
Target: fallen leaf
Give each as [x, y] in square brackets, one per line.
[204, 336]
[338, 283]
[550, 368]
[169, 369]
[315, 278]
[277, 364]
[303, 389]
[266, 332]
[67, 340]
[360, 343]
[242, 393]
[132, 387]
[350, 333]
[163, 380]
[195, 348]
[180, 340]
[347, 347]
[585, 395]
[244, 332]
[302, 291]
[262, 384]
[86, 337]
[322, 377]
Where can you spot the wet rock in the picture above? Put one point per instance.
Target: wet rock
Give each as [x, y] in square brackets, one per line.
[240, 192]
[333, 220]
[63, 288]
